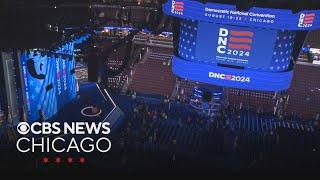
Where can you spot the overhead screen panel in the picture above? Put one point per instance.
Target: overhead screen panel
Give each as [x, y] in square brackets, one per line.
[249, 48]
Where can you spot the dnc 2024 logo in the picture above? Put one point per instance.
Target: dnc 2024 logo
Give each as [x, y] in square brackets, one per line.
[177, 7]
[229, 77]
[234, 42]
[306, 20]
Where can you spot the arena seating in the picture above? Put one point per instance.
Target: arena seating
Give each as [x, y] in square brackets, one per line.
[258, 99]
[313, 39]
[304, 92]
[153, 75]
[139, 16]
[251, 122]
[245, 132]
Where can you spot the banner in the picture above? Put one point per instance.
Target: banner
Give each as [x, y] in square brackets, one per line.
[229, 77]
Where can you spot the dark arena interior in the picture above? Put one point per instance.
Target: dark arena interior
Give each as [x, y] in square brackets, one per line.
[186, 86]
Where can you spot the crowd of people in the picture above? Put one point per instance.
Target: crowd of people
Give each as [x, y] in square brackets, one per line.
[157, 126]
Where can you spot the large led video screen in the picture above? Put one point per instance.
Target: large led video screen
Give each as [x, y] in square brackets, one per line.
[250, 48]
[50, 81]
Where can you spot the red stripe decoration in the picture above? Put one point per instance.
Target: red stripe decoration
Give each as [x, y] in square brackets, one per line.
[308, 22]
[240, 40]
[308, 18]
[179, 6]
[310, 15]
[241, 33]
[239, 46]
[178, 9]
[179, 3]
